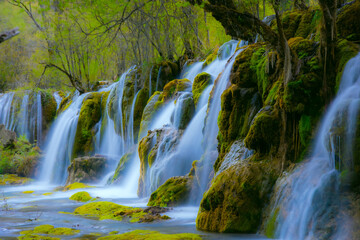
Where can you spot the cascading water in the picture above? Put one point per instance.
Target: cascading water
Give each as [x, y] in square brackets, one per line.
[59, 149]
[130, 127]
[27, 119]
[58, 99]
[304, 205]
[157, 79]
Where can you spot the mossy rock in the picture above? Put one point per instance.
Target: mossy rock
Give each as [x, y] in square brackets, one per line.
[90, 115]
[209, 59]
[175, 86]
[28, 192]
[264, 133]
[81, 197]
[201, 82]
[140, 104]
[238, 108]
[123, 166]
[236, 198]
[148, 113]
[113, 211]
[39, 232]
[13, 179]
[49, 107]
[86, 169]
[187, 110]
[74, 186]
[65, 103]
[347, 22]
[175, 191]
[153, 235]
[303, 47]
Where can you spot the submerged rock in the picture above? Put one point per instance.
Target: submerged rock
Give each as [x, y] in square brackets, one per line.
[73, 186]
[86, 169]
[147, 235]
[13, 179]
[123, 166]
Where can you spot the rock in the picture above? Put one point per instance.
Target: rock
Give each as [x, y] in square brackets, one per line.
[86, 169]
[113, 211]
[236, 197]
[39, 232]
[162, 140]
[123, 166]
[175, 191]
[81, 197]
[347, 21]
[7, 137]
[12, 179]
[201, 82]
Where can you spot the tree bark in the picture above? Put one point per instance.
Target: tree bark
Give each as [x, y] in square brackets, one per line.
[8, 34]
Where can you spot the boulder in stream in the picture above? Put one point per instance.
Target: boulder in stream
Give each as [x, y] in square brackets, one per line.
[86, 169]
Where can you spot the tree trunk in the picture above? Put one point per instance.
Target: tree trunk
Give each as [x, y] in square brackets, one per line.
[9, 34]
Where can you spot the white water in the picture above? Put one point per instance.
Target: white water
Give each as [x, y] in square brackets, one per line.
[157, 79]
[60, 141]
[307, 195]
[5, 109]
[58, 99]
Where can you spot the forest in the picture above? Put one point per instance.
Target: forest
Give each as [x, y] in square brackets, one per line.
[179, 119]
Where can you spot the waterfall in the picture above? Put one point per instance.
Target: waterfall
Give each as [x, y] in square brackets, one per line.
[22, 113]
[58, 99]
[60, 142]
[130, 128]
[5, 109]
[150, 92]
[305, 203]
[157, 79]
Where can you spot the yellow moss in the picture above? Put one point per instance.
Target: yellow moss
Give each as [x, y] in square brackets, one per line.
[28, 192]
[48, 230]
[153, 235]
[113, 211]
[81, 196]
[48, 194]
[76, 185]
[12, 179]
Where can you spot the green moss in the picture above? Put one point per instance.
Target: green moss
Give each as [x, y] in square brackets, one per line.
[148, 113]
[348, 22]
[177, 85]
[76, 186]
[12, 179]
[211, 58]
[303, 47]
[236, 197]
[140, 104]
[49, 107]
[271, 225]
[122, 166]
[308, 23]
[81, 197]
[264, 132]
[173, 192]
[113, 211]
[153, 235]
[90, 115]
[345, 50]
[47, 230]
[305, 129]
[201, 82]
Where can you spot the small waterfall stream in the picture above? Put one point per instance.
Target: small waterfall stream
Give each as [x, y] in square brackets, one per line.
[304, 202]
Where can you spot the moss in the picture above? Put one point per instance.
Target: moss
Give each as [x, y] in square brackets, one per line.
[236, 197]
[348, 22]
[177, 85]
[238, 108]
[90, 115]
[48, 194]
[303, 47]
[345, 50]
[264, 132]
[201, 82]
[211, 58]
[123, 166]
[28, 192]
[305, 129]
[49, 107]
[47, 230]
[140, 104]
[76, 186]
[173, 192]
[308, 23]
[242, 74]
[153, 235]
[271, 225]
[113, 211]
[12, 179]
[81, 197]
[148, 114]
